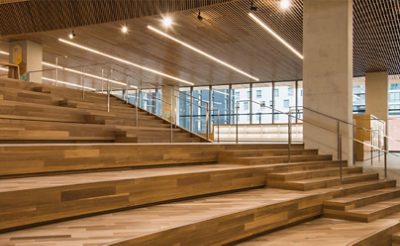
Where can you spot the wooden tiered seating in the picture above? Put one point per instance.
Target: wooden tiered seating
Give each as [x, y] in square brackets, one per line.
[143, 194]
[43, 113]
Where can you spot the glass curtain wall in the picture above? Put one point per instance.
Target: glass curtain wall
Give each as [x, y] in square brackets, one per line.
[299, 95]
[284, 100]
[148, 100]
[262, 95]
[221, 102]
[394, 95]
[359, 95]
[201, 97]
[241, 94]
[184, 106]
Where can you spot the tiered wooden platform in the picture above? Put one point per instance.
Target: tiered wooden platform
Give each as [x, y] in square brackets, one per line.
[56, 190]
[43, 113]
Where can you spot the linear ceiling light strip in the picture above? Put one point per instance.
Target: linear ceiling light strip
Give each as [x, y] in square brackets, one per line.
[201, 52]
[275, 35]
[86, 74]
[118, 59]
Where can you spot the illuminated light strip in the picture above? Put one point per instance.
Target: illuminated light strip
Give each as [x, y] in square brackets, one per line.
[202, 53]
[3, 69]
[85, 74]
[279, 38]
[4, 53]
[68, 83]
[123, 61]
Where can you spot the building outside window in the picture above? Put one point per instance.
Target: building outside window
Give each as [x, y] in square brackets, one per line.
[258, 93]
[286, 103]
[276, 92]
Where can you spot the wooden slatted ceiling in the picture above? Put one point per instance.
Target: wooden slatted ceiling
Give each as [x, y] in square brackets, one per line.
[229, 34]
[376, 36]
[45, 15]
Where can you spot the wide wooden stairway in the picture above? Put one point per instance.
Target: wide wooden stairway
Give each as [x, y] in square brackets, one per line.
[64, 192]
[32, 112]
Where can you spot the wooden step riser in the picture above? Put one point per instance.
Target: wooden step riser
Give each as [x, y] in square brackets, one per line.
[361, 202]
[26, 207]
[262, 153]
[313, 174]
[46, 159]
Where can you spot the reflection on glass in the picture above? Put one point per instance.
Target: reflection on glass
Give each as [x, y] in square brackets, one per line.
[263, 96]
[200, 99]
[220, 104]
[241, 98]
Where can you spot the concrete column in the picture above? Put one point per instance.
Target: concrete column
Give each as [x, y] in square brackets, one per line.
[29, 56]
[327, 73]
[376, 94]
[169, 95]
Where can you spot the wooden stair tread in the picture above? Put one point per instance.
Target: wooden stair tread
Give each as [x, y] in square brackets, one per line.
[376, 207]
[13, 184]
[26, 201]
[343, 201]
[311, 171]
[319, 179]
[252, 211]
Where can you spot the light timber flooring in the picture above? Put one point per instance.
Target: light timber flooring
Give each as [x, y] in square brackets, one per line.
[330, 232]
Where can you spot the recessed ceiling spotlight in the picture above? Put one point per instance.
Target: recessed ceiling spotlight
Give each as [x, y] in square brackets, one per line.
[167, 21]
[71, 35]
[253, 7]
[124, 29]
[284, 4]
[199, 17]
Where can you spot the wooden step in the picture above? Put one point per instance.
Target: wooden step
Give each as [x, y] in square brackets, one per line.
[215, 220]
[362, 199]
[277, 159]
[368, 212]
[315, 173]
[48, 158]
[332, 232]
[30, 200]
[322, 182]
[231, 154]
[396, 239]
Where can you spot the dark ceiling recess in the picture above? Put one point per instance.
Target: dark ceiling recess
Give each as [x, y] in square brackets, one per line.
[17, 17]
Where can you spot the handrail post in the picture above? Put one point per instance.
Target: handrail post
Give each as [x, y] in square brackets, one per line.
[191, 109]
[102, 80]
[339, 150]
[137, 107]
[170, 114]
[218, 125]
[108, 91]
[354, 142]
[379, 146]
[57, 70]
[289, 136]
[207, 121]
[82, 84]
[385, 148]
[237, 122]
[372, 149]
